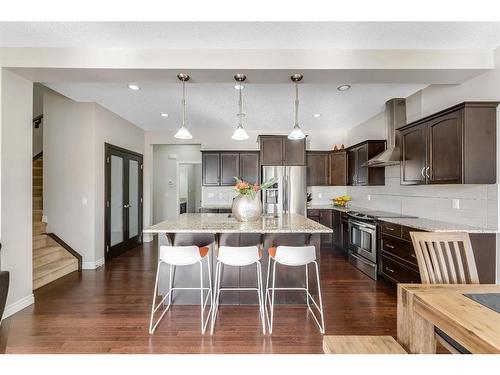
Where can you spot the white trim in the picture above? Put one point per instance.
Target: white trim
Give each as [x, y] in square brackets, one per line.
[92, 265]
[18, 305]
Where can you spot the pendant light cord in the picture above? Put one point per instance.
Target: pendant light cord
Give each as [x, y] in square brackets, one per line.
[240, 104]
[183, 103]
[296, 103]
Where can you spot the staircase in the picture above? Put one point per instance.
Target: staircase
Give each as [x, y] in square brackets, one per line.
[50, 260]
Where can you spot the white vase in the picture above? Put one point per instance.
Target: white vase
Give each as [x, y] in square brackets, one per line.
[246, 208]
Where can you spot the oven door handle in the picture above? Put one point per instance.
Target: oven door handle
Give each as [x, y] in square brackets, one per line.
[361, 225]
[361, 259]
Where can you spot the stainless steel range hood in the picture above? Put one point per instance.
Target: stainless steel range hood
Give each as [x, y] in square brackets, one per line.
[395, 117]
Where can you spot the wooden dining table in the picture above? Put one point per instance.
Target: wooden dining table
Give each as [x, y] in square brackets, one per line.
[424, 307]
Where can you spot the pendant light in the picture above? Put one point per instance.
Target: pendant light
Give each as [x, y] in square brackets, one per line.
[296, 132]
[240, 134]
[183, 132]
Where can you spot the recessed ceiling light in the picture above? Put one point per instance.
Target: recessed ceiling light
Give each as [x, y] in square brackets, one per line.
[344, 87]
[164, 114]
[133, 87]
[237, 87]
[317, 115]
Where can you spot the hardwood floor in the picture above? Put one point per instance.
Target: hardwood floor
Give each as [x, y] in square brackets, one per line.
[107, 311]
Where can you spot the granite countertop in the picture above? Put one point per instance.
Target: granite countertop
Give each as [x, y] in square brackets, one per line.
[417, 223]
[223, 223]
[215, 206]
[437, 226]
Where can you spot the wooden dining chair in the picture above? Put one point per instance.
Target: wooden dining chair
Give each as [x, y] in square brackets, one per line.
[445, 258]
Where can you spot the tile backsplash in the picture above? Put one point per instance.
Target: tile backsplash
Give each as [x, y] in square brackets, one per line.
[324, 194]
[215, 195]
[477, 204]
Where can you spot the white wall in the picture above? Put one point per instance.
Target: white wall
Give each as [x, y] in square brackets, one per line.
[165, 177]
[16, 207]
[373, 128]
[74, 137]
[68, 181]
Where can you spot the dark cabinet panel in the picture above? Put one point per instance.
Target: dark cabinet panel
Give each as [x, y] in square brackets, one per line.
[344, 224]
[454, 146]
[294, 151]
[279, 150]
[337, 228]
[211, 168]
[318, 168]
[229, 168]
[396, 272]
[325, 218]
[249, 167]
[413, 155]
[271, 150]
[445, 149]
[338, 168]
[357, 156]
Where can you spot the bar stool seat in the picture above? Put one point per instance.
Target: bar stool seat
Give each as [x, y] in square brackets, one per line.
[293, 256]
[238, 257]
[174, 256]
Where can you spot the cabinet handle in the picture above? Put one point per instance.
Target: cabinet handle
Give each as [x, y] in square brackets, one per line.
[389, 269]
[389, 246]
[427, 172]
[389, 228]
[413, 255]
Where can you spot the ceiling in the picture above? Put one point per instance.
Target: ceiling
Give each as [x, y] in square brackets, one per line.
[253, 35]
[214, 105]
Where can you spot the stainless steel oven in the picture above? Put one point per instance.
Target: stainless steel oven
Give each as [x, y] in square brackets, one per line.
[363, 246]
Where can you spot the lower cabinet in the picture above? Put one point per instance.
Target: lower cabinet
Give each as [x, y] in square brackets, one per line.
[324, 217]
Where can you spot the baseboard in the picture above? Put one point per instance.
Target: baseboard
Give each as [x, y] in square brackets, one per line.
[92, 265]
[18, 305]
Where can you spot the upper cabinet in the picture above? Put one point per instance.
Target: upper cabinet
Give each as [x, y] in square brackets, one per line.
[327, 168]
[454, 146]
[357, 156]
[318, 168]
[279, 150]
[219, 168]
[338, 168]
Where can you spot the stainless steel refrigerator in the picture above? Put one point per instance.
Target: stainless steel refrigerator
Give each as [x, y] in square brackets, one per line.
[288, 195]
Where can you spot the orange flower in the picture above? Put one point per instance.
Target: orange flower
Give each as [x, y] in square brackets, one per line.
[256, 187]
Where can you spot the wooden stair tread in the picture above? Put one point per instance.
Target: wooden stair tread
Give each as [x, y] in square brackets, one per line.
[54, 266]
[42, 251]
[361, 345]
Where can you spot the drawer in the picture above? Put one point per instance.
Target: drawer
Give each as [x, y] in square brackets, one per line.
[398, 247]
[312, 212]
[390, 228]
[344, 217]
[397, 272]
[405, 232]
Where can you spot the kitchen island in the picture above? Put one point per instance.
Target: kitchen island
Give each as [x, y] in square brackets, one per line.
[214, 230]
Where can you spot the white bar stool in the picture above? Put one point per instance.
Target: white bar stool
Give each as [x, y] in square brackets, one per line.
[238, 257]
[182, 256]
[293, 256]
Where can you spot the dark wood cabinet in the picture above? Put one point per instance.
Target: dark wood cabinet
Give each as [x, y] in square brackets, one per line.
[413, 155]
[249, 167]
[454, 146]
[279, 150]
[318, 168]
[229, 168]
[322, 216]
[210, 168]
[337, 228]
[344, 231]
[219, 168]
[357, 156]
[338, 168]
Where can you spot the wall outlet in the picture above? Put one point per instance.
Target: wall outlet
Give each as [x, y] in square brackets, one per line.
[320, 195]
[45, 219]
[368, 197]
[84, 201]
[455, 203]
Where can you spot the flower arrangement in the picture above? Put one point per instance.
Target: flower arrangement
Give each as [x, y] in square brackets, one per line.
[245, 188]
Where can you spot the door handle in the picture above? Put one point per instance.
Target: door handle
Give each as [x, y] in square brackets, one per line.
[422, 172]
[389, 246]
[126, 205]
[427, 172]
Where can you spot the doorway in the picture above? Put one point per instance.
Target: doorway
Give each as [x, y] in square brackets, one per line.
[123, 205]
[189, 187]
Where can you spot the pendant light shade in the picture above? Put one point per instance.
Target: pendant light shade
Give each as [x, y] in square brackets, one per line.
[183, 132]
[296, 132]
[240, 134]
